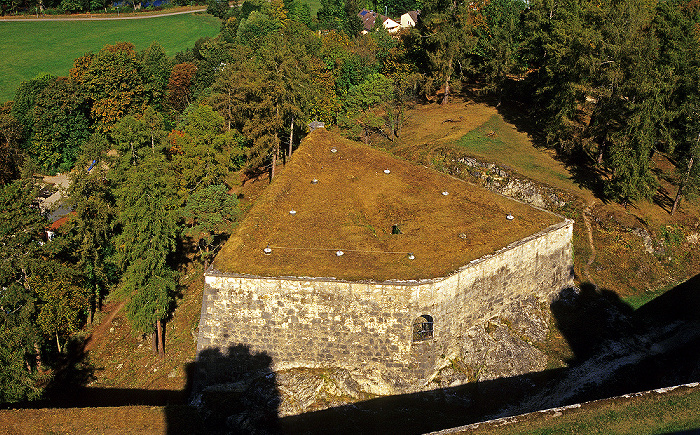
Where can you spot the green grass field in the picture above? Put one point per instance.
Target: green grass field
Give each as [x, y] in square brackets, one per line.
[32, 48]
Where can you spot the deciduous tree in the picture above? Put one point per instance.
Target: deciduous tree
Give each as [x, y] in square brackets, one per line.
[60, 119]
[112, 79]
[179, 85]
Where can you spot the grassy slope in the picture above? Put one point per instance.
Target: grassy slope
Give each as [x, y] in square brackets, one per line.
[31, 48]
[500, 142]
[672, 412]
[122, 360]
[353, 208]
[620, 261]
[482, 132]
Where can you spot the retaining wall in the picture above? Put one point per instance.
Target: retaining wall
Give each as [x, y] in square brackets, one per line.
[367, 326]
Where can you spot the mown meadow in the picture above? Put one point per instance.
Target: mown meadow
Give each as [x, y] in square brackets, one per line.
[32, 48]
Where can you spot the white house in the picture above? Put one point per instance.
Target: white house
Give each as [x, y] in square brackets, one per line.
[409, 19]
[369, 18]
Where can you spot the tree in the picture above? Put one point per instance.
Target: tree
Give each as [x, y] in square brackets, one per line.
[601, 86]
[20, 339]
[132, 140]
[300, 11]
[72, 5]
[203, 156]
[10, 137]
[218, 8]
[60, 118]
[229, 93]
[155, 73]
[449, 29]
[404, 76]
[62, 301]
[90, 231]
[112, 80]
[284, 90]
[689, 175]
[276, 88]
[25, 96]
[331, 14]
[179, 85]
[498, 47]
[362, 104]
[148, 215]
[209, 214]
[253, 30]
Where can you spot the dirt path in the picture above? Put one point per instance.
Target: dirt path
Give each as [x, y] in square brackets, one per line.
[589, 234]
[101, 17]
[99, 331]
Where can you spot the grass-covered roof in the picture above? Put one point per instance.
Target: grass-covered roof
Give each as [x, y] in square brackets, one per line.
[353, 208]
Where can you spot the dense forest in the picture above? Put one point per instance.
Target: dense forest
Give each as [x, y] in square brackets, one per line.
[153, 144]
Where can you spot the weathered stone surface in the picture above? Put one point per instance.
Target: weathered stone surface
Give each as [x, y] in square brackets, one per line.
[485, 317]
[500, 180]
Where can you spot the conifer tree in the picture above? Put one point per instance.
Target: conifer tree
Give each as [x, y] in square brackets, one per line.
[20, 338]
[449, 29]
[90, 230]
[148, 216]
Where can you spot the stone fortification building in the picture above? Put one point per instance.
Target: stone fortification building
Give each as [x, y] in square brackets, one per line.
[354, 259]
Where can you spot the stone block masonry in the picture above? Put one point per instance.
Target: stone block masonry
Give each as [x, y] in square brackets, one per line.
[367, 327]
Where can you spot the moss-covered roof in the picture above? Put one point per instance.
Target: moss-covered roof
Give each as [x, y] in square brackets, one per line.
[353, 208]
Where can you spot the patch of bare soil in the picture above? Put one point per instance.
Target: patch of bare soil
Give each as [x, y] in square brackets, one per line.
[124, 360]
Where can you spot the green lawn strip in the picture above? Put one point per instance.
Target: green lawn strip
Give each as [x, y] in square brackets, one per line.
[636, 301]
[497, 141]
[31, 48]
[650, 414]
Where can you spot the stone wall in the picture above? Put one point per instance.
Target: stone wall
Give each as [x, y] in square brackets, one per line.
[366, 327]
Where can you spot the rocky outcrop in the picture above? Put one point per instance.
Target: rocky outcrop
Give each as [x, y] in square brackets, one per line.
[501, 180]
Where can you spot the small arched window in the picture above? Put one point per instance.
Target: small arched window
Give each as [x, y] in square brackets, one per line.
[423, 328]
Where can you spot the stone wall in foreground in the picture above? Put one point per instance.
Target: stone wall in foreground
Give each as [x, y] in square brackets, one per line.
[366, 327]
